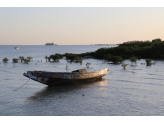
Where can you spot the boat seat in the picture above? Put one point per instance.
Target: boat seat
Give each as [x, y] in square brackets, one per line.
[80, 71]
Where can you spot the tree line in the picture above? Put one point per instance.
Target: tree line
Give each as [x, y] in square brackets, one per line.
[134, 50]
[142, 49]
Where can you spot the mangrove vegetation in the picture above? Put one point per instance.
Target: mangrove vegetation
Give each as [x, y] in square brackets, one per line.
[131, 50]
[5, 60]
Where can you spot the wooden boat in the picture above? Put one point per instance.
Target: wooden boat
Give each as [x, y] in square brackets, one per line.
[52, 78]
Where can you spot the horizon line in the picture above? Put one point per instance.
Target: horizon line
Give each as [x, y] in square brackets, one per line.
[57, 45]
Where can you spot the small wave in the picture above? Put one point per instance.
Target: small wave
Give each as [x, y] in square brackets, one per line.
[7, 79]
[153, 78]
[151, 74]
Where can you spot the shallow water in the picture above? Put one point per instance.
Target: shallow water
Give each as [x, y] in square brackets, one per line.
[138, 90]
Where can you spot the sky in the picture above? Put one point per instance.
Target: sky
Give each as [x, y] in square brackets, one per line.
[79, 25]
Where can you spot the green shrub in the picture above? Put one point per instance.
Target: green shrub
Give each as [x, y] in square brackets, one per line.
[148, 62]
[133, 59]
[55, 57]
[46, 57]
[115, 59]
[26, 61]
[21, 58]
[15, 60]
[124, 66]
[5, 60]
[73, 57]
[30, 58]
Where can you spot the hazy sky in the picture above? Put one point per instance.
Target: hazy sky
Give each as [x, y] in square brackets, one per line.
[79, 25]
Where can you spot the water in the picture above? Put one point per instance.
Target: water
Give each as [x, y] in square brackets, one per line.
[138, 90]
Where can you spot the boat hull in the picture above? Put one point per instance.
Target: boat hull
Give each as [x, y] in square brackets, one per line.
[53, 78]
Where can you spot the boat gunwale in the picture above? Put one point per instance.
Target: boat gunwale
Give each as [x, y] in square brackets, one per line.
[47, 72]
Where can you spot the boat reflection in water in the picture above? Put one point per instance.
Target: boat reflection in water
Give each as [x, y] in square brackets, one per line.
[63, 89]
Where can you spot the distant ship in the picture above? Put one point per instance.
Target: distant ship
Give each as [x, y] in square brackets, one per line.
[50, 44]
[16, 47]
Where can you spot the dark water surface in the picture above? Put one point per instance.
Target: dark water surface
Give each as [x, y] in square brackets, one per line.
[138, 90]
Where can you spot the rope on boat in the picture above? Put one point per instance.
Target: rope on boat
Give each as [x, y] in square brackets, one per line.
[20, 86]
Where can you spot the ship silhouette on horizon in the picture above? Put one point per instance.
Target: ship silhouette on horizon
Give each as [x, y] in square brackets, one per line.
[50, 44]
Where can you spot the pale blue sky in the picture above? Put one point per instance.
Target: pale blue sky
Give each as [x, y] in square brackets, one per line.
[80, 26]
